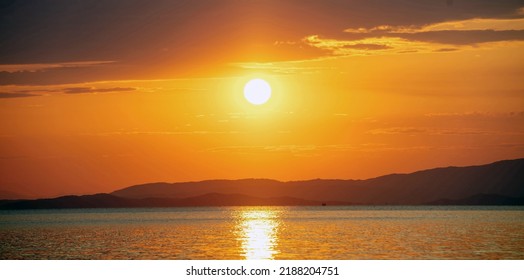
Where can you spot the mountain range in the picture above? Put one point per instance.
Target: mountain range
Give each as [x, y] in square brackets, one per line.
[498, 183]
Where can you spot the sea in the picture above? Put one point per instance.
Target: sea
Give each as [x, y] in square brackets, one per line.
[239, 233]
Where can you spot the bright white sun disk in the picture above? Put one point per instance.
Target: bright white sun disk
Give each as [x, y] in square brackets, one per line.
[257, 91]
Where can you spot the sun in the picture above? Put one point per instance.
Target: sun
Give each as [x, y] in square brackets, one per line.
[257, 91]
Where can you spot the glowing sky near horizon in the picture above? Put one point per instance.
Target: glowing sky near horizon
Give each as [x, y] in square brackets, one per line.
[96, 96]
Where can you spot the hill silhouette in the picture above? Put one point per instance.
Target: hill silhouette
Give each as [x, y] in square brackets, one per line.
[503, 178]
[499, 183]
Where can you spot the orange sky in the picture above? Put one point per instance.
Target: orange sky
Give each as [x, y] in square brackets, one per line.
[99, 96]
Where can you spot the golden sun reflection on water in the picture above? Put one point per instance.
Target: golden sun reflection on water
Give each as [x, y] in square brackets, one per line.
[257, 230]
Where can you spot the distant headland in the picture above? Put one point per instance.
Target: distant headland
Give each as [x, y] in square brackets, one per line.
[498, 183]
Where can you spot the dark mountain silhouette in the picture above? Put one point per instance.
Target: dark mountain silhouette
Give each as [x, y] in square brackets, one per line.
[499, 183]
[504, 178]
[482, 199]
[70, 201]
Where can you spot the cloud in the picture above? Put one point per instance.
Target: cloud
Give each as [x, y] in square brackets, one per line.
[164, 133]
[283, 67]
[13, 68]
[16, 94]
[320, 150]
[475, 24]
[81, 90]
[70, 90]
[295, 149]
[464, 131]
[447, 50]
[381, 45]
[477, 115]
[142, 37]
[463, 37]
[436, 37]
[366, 47]
[438, 131]
[397, 130]
[58, 73]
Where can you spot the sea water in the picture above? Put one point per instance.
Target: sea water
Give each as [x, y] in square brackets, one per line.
[330, 232]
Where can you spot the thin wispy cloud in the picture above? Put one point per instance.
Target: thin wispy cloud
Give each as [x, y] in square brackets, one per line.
[397, 130]
[473, 24]
[70, 90]
[34, 67]
[162, 133]
[16, 94]
[83, 90]
[439, 131]
[481, 115]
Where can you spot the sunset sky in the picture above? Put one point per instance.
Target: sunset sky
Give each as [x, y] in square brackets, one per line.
[100, 95]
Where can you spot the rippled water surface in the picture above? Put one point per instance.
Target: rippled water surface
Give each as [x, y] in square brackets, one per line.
[265, 233]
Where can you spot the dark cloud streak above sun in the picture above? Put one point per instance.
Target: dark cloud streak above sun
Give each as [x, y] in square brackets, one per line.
[69, 90]
[15, 94]
[82, 90]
